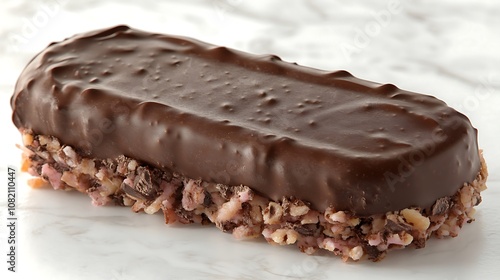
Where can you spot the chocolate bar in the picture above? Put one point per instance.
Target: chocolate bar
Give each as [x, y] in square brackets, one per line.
[253, 144]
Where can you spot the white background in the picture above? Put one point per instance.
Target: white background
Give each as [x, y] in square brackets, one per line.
[449, 49]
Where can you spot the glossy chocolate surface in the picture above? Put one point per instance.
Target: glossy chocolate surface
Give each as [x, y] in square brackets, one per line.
[230, 117]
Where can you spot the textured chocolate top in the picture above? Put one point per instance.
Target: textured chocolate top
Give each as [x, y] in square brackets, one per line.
[230, 117]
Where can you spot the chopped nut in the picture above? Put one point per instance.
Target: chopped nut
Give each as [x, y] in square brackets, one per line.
[378, 224]
[335, 217]
[53, 146]
[132, 165]
[43, 140]
[228, 210]
[414, 217]
[27, 139]
[374, 239]
[72, 159]
[298, 210]
[155, 206]
[255, 214]
[353, 222]
[37, 183]
[109, 186]
[284, 236]
[328, 232]
[396, 239]
[356, 253]
[245, 232]
[328, 244]
[127, 201]
[272, 214]
[101, 174]
[87, 166]
[466, 196]
[312, 217]
[407, 239]
[309, 250]
[25, 164]
[70, 179]
[471, 212]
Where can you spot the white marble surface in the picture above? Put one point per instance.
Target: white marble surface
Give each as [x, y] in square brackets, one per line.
[445, 48]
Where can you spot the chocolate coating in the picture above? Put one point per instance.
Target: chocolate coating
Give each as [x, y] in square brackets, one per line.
[230, 117]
